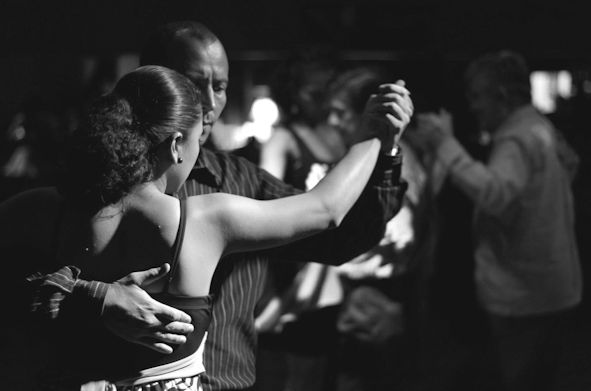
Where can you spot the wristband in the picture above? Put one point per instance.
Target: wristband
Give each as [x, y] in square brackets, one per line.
[388, 167]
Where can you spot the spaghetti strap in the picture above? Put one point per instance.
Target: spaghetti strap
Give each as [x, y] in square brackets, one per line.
[178, 242]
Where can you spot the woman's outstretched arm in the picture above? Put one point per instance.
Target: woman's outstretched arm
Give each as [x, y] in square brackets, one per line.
[245, 224]
[248, 225]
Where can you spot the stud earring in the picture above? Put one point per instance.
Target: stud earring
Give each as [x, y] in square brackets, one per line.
[179, 160]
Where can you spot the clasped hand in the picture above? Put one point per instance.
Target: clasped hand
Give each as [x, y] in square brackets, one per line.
[386, 114]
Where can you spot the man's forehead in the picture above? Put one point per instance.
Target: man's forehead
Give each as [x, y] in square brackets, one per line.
[201, 66]
[200, 74]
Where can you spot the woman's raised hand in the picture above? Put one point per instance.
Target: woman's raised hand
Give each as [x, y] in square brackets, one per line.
[386, 114]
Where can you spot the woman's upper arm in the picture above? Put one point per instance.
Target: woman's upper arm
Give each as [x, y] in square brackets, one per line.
[246, 224]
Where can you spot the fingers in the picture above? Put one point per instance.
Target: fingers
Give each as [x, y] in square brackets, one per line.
[149, 276]
[169, 338]
[180, 328]
[397, 104]
[157, 346]
[396, 122]
[394, 87]
[160, 340]
[170, 314]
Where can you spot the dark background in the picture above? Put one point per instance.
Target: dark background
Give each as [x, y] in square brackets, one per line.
[428, 42]
[49, 48]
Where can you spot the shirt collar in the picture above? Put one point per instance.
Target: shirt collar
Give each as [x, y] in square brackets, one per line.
[207, 168]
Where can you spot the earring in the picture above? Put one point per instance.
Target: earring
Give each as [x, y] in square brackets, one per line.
[179, 160]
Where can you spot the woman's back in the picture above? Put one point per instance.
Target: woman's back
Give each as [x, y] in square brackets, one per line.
[118, 237]
[136, 234]
[142, 231]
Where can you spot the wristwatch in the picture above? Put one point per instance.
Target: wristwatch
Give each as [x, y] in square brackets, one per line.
[396, 150]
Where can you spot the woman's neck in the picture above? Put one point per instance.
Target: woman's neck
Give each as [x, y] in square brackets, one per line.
[146, 192]
[140, 195]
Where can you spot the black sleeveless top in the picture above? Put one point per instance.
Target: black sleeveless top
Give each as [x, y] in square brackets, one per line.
[298, 169]
[198, 308]
[90, 352]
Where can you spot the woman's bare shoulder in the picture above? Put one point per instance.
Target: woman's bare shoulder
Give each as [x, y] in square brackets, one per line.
[214, 210]
[204, 205]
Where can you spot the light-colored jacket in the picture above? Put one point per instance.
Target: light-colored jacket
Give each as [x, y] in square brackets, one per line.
[527, 260]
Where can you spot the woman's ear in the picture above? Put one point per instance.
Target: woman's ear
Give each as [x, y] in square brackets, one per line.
[176, 147]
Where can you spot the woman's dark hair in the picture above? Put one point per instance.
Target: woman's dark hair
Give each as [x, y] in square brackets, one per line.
[114, 149]
[356, 85]
[310, 69]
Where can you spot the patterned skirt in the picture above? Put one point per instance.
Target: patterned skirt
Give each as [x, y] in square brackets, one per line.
[181, 384]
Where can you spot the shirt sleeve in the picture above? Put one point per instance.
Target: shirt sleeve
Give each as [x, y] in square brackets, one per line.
[364, 225]
[492, 186]
[49, 291]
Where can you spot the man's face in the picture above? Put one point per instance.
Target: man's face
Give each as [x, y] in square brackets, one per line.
[485, 103]
[206, 65]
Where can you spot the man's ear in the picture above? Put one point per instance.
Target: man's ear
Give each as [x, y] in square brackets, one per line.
[176, 147]
[203, 138]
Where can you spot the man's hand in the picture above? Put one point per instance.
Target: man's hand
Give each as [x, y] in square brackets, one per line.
[130, 313]
[433, 128]
[386, 114]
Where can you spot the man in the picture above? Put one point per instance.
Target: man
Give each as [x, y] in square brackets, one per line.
[528, 275]
[193, 50]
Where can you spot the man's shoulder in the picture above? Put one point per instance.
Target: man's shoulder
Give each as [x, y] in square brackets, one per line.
[225, 160]
[237, 175]
[229, 173]
[530, 129]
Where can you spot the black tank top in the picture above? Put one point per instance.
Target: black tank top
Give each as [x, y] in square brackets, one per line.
[199, 308]
[91, 352]
[298, 169]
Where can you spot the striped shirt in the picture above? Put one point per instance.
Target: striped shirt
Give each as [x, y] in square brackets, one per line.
[237, 286]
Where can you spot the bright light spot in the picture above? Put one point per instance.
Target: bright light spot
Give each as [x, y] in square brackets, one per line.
[264, 113]
[548, 86]
[564, 84]
[541, 92]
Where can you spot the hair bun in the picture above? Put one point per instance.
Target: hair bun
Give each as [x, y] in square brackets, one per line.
[115, 147]
[107, 156]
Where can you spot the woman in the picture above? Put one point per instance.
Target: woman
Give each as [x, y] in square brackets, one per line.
[301, 140]
[378, 318]
[301, 148]
[113, 214]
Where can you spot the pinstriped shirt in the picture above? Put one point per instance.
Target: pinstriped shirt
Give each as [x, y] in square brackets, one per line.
[238, 281]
